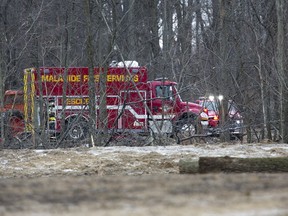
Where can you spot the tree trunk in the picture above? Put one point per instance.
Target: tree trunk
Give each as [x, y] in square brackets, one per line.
[282, 72]
[223, 67]
[91, 82]
[263, 95]
[2, 75]
[167, 37]
[103, 115]
[104, 57]
[65, 56]
[154, 35]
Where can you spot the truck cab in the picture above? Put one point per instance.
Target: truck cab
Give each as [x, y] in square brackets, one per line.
[12, 113]
[13, 100]
[211, 106]
[177, 117]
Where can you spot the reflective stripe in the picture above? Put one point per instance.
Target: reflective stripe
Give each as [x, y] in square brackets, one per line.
[120, 107]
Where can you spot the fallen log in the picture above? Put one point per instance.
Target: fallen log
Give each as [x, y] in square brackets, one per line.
[188, 166]
[232, 164]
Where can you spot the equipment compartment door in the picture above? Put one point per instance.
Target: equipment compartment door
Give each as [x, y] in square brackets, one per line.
[133, 111]
[113, 107]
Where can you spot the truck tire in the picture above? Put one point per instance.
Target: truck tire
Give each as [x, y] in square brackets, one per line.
[76, 129]
[185, 128]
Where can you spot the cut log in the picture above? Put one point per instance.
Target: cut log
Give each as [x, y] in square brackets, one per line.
[188, 166]
[232, 164]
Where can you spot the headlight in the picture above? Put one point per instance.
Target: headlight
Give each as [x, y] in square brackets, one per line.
[204, 116]
[238, 121]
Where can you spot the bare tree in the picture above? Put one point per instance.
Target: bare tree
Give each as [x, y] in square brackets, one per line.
[103, 58]
[282, 67]
[91, 81]
[220, 46]
[1, 80]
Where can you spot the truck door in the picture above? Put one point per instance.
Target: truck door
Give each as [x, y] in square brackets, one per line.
[164, 106]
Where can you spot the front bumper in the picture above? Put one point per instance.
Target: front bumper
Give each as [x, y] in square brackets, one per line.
[235, 127]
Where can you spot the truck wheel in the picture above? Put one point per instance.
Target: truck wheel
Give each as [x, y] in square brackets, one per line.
[185, 128]
[76, 129]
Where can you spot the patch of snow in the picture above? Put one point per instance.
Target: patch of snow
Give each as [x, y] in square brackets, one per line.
[4, 162]
[237, 150]
[68, 170]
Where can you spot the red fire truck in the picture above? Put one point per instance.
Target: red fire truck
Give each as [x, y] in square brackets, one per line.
[134, 104]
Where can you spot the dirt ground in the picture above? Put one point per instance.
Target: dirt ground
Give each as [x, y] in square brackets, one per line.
[106, 181]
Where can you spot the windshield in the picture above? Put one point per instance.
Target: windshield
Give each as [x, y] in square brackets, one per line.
[210, 105]
[13, 99]
[214, 105]
[165, 92]
[232, 108]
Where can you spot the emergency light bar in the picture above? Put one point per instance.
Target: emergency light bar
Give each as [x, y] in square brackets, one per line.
[161, 79]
